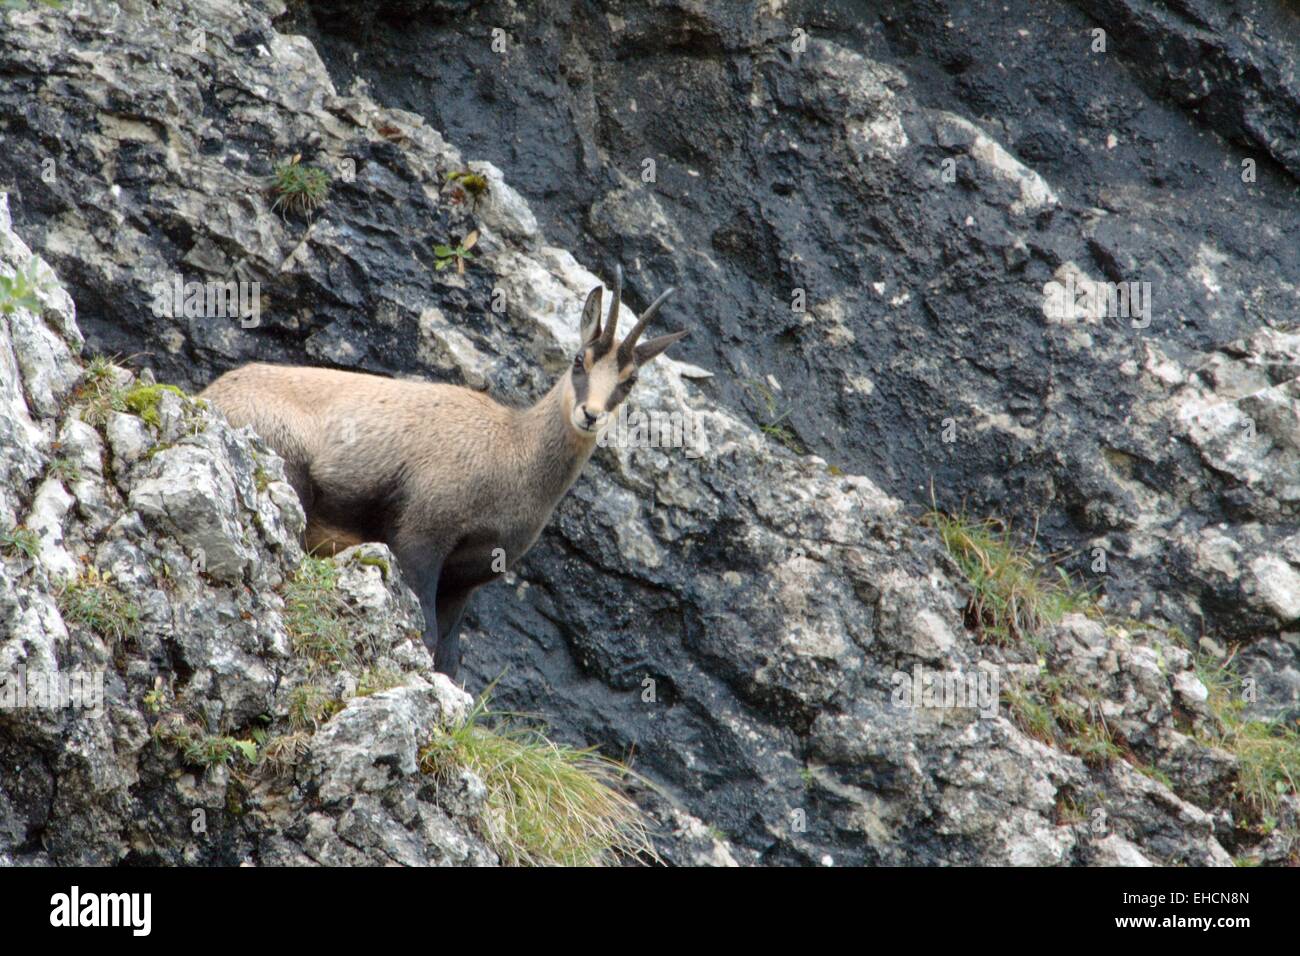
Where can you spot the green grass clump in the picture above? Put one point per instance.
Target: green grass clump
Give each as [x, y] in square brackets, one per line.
[95, 601]
[1013, 596]
[214, 751]
[201, 749]
[377, 680]
[1031, 712]
[1048, 709]
[279, 755]
[1268, 752]
[99, 393]
[773, 424]
[317, 618]
[65, 470]
[20, 540]
[297, 188]
[310, 706]
[548, 804]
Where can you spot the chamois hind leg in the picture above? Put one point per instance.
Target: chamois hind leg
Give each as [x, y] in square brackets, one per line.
[451, 608]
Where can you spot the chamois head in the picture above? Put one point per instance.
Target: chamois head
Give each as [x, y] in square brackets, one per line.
[603, 373]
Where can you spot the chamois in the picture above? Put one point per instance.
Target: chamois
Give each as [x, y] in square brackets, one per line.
[456, 484]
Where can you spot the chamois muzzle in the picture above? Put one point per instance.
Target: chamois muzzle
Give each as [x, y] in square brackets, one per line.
[585, 420]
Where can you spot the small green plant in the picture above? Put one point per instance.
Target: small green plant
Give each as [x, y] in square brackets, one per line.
[18, 291]
[547, 803]
[466, 182]
[212, 751]
[444, 255]
[1091, 740]
[21, 540]
[28, 4]
[97, 371]
[782, 433]
[1030, 712]
[1015, 598]
[1069, 811]
[773, 425]
[1047, 708]
[298, 188]
[261, 477]
[102, 392]
[94, 600]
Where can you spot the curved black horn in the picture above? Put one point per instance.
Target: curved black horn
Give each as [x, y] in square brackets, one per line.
[625, 350]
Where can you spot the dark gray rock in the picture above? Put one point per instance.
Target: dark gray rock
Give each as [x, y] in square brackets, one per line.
[735, 619]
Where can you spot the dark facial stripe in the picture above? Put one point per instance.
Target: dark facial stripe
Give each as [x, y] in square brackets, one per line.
[621, 391]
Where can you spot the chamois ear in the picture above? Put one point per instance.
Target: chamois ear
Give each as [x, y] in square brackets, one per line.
[648, 350]
[590, 329]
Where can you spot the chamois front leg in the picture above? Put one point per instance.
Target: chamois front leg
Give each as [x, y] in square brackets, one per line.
[451, 608]
[422, 568]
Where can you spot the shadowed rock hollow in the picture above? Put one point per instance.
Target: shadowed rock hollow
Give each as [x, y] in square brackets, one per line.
[735, 618]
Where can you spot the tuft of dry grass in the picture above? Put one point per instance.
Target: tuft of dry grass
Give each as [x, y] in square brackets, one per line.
[547, 804]
[280, 755]
[1268, 752]
[1013, 595]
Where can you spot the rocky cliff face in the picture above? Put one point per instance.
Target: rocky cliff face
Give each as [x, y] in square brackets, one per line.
[738, 616]
[150, 648]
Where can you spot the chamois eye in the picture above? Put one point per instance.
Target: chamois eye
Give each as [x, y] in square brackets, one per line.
[578, 363]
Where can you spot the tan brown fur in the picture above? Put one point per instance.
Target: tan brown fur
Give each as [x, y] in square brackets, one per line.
[325, 540]
[455, 452]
